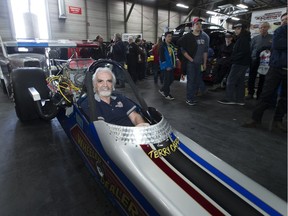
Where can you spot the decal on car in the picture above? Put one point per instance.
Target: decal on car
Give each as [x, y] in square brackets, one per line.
[168, 148]
[106, 176]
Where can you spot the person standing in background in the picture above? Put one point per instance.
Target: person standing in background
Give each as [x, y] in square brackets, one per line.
[194, 47]
[277, 75]
[100, 52]
[119, 55]
[140, 60]
[223, 62]
[263, 69]
[167, 62]
[132, 59]
[259, 42]
[155, 53]
[241, 58]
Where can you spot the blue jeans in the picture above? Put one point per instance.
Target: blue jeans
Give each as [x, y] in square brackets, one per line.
[194, 80]
[119, 74]
[156, 69]
[235, 88]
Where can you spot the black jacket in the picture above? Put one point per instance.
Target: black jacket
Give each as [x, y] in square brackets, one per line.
[119, 52]
[241, 54]
[278, 57]
[188, 44]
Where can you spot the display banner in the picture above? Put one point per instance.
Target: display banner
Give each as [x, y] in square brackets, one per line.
[270, 16]
[125, 36]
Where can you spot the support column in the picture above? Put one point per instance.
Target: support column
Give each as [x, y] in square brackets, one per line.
[108, 25]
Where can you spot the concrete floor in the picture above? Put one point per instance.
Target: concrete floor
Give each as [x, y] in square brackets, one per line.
[41, 172]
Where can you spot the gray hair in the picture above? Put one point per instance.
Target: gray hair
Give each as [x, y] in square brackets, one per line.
[130, 38]
[265, 24]
[107, 70]
[117, 37]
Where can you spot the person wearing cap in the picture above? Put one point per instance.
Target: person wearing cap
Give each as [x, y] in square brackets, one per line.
[223, 62]
[277, 75]
[258, 43]
[240, 58]
[194, 47]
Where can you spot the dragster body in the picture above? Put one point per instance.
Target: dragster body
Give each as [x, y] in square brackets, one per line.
[150, 170]
[156, 170]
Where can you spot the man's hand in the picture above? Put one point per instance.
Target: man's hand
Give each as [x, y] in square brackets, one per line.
[143, 125]
[204, 67]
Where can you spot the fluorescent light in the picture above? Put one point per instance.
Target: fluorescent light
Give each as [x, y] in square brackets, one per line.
[235, 18]
[211, 12]
[182, 5]
[242, 6]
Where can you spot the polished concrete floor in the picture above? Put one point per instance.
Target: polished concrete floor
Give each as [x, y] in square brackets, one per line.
[41, 172]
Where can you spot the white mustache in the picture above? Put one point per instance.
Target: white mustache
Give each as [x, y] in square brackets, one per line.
[105, 92]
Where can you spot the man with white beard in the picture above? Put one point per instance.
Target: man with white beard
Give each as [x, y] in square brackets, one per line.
[113, 108]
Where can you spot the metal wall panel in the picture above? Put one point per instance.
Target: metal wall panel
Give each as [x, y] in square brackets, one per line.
[74, 27]
[163, 22]
[134, 21]
[174, 19]
[98, 21]
[139, 14]
[149, 20]
[116, 17]
[5, 27]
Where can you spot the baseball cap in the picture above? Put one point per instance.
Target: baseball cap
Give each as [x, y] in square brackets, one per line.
[228, 34]
[241, 25]
[197, 19]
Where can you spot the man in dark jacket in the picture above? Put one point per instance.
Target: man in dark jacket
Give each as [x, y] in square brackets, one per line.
[223, 62]
[119, 55]
[132, 59]
[276, 75]
[235, 88]
[100, 52]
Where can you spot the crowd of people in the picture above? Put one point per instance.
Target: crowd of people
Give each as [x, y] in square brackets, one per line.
[265, 54]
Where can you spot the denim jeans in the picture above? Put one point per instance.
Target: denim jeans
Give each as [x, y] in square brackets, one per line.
[252, 76]
[194, 80]
[168, 80]
[156, 69]
[235, 88]
[274, 78]
[119, 74]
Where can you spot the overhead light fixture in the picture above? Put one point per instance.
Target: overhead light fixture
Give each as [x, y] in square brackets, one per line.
[235, 18]
[211, 12]
[242, 6]
[182, 5]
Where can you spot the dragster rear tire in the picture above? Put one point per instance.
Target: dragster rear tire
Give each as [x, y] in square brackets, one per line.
[22, 79]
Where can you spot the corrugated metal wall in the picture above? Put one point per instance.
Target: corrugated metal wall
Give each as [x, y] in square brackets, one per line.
[5, 27]
[104, 17]
[97, 19]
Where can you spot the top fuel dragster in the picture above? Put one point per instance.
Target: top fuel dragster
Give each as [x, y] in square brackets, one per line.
[152, 170]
